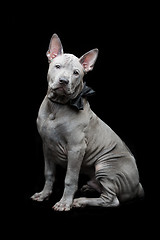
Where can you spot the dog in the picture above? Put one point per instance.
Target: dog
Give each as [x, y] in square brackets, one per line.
[75, 138]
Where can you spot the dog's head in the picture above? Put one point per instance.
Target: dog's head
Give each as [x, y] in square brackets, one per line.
[66, 71]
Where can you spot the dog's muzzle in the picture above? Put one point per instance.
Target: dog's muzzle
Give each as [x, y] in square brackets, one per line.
[62, 88]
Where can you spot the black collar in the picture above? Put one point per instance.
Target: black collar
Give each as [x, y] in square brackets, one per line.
[77, 102]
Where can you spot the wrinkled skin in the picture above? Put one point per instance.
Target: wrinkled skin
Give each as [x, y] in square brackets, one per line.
[79, 140]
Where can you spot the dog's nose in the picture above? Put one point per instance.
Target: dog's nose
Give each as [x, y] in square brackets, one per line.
[63, 80]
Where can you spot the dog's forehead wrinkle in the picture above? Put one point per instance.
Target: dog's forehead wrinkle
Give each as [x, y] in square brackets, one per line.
[70, 59]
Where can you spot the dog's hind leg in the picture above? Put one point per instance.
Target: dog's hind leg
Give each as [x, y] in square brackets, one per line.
[99, 202]
[92, 186]
[107, 198]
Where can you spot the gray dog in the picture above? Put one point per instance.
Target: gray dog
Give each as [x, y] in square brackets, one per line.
[75, 138]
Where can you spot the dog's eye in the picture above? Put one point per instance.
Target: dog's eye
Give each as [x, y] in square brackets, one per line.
[57, 65]
[76, 72]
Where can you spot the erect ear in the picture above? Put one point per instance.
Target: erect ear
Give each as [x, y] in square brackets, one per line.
[88, 59]
[55, 47]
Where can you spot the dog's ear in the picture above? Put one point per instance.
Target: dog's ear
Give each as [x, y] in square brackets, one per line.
[88, 59]
[55, 47]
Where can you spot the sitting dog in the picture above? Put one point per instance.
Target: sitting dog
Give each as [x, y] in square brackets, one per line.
[75, 138]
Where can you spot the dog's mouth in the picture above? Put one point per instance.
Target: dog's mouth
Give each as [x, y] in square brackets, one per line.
[60, 90]
[59, 94]
[63, 94]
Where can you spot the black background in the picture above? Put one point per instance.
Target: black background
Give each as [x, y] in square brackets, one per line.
[120, 79]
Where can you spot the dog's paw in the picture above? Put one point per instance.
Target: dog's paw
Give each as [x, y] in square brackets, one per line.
[62, 206]
[40, 196]
[79, 202]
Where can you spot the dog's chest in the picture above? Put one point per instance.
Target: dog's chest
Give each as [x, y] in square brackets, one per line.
[51, 129]
[53, 132]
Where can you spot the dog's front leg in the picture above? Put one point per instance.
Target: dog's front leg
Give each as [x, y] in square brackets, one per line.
[49, 173]
[75, 157]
